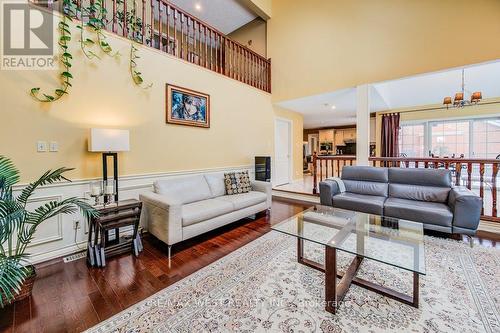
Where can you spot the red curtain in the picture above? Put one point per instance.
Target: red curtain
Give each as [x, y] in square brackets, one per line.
[390, 135]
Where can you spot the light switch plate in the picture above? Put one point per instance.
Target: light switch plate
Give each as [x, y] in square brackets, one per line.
[41, 146]
[54, 146]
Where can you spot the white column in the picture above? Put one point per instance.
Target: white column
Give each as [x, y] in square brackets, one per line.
[362, 124]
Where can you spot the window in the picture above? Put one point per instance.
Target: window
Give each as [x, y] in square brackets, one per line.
[474, 138]
[486, 138]
[449, 138]
[411, 140]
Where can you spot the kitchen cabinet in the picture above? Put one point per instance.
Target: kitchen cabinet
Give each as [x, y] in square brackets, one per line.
[339, 137]
[350, 134]
[326, 136]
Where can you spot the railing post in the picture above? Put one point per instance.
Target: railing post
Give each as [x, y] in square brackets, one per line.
[458, 173]
[315, 173]
[494, 190]
[481, 184]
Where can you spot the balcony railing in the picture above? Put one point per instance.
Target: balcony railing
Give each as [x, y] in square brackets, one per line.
[163, 26]
[478, 175]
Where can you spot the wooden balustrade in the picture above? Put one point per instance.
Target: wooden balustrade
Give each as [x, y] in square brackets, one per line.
[164, 26]
[478, 175]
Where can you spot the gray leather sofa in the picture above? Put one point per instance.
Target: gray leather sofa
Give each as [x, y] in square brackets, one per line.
[421, 195]
[182, 208]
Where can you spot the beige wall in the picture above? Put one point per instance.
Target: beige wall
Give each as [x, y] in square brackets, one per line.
[103, 95]
[263, 8]
[297, 129]
[319, 46]
[436, 112]
[254, 31]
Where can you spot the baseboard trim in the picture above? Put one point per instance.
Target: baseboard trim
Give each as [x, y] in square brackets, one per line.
[296, 196]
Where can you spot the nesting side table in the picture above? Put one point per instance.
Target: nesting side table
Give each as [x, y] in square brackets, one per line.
[111, 218]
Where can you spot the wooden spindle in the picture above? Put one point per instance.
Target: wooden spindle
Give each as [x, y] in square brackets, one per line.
[206, 47]
[125, 30]
[167, 14]
[143, 21]
[338, 168]
[152, 23]
[216, 49]
[315, 173]
[481, 184]
[176, 47]
[321, 170]
[469, 175]
[458, 173]
[114, 25]
[160, 27]
[494, 174]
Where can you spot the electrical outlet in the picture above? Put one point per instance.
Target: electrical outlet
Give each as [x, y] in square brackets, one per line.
[76, 224]
[53, 146]
[41, 146]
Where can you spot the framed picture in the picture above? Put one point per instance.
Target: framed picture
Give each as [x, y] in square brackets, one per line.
[187, 107]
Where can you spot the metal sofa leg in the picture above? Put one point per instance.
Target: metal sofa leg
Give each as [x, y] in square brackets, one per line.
[169, 256]
[471, 240]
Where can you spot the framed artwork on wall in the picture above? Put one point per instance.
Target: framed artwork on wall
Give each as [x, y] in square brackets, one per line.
[187, 107]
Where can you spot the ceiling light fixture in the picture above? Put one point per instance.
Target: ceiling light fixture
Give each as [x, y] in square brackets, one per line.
[197, 6]
[458, 101]
[333, 107]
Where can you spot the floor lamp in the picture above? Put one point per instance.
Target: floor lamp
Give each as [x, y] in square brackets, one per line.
[109, 142]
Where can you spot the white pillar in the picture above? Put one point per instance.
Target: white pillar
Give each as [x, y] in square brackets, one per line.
[362, 124]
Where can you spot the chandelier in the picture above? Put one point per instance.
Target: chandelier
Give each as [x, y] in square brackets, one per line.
[459, 101]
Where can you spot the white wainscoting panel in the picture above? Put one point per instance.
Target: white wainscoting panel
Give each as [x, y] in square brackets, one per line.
[56, 237]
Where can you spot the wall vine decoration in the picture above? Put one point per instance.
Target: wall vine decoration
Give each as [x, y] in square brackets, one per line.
[95, 14]
[65, 57]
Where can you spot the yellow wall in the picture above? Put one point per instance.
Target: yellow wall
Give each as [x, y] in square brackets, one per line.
[103, 95]
[254, 31]
[297, 138]
[436, 112]
[319, 46]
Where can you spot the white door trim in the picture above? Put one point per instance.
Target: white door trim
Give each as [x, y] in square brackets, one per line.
[290, 148]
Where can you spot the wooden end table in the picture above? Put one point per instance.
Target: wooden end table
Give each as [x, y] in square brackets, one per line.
[111, 218]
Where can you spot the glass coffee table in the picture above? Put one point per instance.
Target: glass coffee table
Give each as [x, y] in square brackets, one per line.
[391, 241]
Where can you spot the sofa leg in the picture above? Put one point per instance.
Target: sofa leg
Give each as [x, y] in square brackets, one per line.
[471, 240]
[169, 256]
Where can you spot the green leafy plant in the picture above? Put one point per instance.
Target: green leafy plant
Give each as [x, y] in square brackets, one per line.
[135, 34]
[95, 15]
[65, 57]
[18, 224]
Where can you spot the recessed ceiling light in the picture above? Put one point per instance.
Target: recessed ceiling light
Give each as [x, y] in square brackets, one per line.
[333, 107]
[197, 6]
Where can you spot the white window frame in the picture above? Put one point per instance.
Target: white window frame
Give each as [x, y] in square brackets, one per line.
[427, 132]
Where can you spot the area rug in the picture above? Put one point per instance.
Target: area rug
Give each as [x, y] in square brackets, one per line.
[261, 288]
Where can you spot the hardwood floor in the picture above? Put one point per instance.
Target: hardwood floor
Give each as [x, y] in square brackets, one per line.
[72, 297]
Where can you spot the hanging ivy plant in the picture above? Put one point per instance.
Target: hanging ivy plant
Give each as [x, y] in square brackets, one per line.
[134, 33]
[96, 22]
[65, 57]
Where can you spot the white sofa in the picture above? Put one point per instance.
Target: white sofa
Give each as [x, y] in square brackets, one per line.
[181, 208]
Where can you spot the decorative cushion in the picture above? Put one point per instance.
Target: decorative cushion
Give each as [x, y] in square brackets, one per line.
[237, 182]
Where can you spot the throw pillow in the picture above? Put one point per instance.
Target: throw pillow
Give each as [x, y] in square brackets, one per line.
[237, 182]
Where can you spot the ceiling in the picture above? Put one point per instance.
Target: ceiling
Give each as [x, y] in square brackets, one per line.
[425, 89]
[224, 15]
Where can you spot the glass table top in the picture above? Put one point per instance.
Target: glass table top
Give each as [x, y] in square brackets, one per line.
[388, 240]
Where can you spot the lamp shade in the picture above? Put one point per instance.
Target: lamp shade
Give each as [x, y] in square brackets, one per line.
[109, 140]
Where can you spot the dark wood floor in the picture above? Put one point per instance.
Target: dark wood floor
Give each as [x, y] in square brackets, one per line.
[72, 297]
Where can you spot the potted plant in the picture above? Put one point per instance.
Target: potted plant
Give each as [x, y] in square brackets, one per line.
[18, 226]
